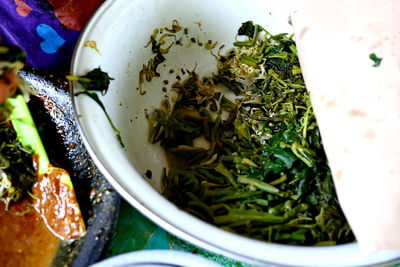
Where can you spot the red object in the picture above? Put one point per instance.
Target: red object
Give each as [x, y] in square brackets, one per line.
[22, 8]
[74, 14]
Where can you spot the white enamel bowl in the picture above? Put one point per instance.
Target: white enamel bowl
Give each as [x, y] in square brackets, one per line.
[121, 29]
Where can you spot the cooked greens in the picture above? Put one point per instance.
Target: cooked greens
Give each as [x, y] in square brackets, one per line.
[25, 168]
[377, 60]
[253, 164]
[17, 174]
[94, 81]
[16, 170]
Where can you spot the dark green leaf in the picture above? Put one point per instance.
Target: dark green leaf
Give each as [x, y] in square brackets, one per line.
[377, 61]
[96, 98]
[246, 29]
[94, 80]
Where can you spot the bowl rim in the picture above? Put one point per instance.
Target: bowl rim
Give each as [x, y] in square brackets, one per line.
[158, 258]
[147, 211]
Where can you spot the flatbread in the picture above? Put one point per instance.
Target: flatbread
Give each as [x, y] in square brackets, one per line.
[357, 107]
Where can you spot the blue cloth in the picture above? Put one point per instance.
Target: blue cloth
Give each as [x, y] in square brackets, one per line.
[34, 25]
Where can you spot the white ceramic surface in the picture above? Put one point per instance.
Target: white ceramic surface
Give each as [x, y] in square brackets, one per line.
[121, 29]
[156, 258]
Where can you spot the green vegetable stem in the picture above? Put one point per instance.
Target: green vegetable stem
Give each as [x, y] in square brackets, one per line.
[263, 172]
[94, 81]
[28, 136]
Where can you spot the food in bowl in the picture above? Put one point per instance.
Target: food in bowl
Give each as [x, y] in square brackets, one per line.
[250, 161]
[38, 205]
[135, 170]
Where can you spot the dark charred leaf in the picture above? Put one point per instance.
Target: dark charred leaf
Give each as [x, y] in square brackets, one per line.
[94, 80]
[246, 29]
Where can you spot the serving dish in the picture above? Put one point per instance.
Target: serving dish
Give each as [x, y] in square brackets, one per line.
[52, 110]
[121, 30]
[157, 258]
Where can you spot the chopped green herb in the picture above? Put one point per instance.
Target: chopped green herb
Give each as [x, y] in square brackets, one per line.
[377, 61]
[263, 172]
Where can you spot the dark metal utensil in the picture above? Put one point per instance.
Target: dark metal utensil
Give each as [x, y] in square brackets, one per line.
[54, 116]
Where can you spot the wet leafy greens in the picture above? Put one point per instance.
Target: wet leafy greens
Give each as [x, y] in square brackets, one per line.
[261, 170]
[17, 174]
[16, 170]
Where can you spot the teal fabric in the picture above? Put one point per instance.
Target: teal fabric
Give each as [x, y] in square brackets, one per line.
[136, 232]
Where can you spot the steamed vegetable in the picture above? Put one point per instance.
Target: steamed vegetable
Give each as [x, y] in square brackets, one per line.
[252, 163]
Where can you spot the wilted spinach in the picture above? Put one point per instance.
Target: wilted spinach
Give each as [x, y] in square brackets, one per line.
[262, 172]
[17, 174]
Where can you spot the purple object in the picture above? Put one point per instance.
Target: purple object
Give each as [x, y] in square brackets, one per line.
[33, 26]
